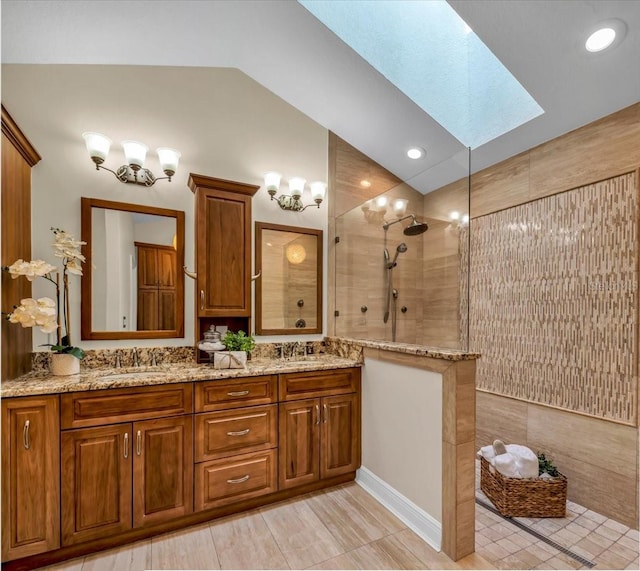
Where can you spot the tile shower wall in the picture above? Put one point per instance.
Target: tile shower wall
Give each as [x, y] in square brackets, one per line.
[554, 300]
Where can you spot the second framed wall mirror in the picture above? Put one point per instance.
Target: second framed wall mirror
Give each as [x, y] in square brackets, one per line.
[133, 283]
[289, 289]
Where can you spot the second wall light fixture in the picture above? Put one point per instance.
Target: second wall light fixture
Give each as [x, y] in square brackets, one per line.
[135, 153]
[292, 201]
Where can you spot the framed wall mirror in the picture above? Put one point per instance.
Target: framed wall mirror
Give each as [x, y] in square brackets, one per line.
[133, 281]
[289, 289]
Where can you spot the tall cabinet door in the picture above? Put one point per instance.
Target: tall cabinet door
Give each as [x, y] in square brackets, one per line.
[162, 470]
[30, 476]
[340, 450]
[96, 488]
[224, 222]
[299, 442]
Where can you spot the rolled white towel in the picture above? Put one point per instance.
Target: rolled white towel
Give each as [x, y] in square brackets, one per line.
[506, 464]
[526, 460]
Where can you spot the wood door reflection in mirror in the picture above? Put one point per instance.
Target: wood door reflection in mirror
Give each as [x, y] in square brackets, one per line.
[133, 284]
[289, 289]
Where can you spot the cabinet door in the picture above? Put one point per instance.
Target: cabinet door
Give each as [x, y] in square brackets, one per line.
[340, 440]
[96, 487]
[162, 470]
[30, 476]
[223, 252]
[299, 442]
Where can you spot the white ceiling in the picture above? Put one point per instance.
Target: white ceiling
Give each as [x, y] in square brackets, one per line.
[283, 47]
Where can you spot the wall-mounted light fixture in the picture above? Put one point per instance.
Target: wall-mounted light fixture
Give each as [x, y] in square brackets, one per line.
[292, 201]
[135, 153]
[375, 209]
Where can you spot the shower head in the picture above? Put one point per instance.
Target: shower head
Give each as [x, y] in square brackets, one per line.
[401, 249]
[415, 227]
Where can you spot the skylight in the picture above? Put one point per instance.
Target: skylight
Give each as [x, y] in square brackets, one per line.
[428, 52]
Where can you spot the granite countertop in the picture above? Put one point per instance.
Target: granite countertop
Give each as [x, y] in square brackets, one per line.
[422, 350]
[42, 382]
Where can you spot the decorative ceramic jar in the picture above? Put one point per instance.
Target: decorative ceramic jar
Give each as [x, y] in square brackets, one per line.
[64, 364]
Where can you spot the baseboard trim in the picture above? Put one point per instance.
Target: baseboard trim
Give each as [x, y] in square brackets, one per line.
[415, 518]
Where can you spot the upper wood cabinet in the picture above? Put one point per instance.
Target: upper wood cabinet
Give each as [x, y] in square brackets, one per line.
[223, 246]
[18, 156]
[157, 293]
[30, 476]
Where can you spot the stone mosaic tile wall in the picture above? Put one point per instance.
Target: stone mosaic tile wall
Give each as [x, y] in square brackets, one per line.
[554, 300]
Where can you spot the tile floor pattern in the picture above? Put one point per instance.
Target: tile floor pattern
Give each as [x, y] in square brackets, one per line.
[345, 528]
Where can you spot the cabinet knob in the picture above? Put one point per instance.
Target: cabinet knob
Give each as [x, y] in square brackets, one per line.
[26, 440]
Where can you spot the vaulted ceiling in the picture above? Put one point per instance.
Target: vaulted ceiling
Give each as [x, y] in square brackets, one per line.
[286, 49]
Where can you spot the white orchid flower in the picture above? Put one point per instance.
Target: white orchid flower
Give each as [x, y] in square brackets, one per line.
[30, 270]
[36, 312]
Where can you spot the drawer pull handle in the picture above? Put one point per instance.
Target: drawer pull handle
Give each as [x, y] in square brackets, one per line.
[324, 419]
[138, 443]
[317, 414]
[238, 393]
[239, 480]
[126, 445]
[201, 299]
[238, 432]
[26, 440]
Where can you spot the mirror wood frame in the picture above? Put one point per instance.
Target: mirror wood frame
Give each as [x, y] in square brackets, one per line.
[260, 226]
[86, 282]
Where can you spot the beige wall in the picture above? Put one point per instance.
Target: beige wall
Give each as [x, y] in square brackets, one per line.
[402, 436]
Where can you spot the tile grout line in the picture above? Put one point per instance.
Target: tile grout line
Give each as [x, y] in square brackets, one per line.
[538, 535]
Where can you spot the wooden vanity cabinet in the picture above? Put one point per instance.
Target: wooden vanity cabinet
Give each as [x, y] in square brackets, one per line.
[125, 475]
[30, 476]
[236, 440]
[319, 437]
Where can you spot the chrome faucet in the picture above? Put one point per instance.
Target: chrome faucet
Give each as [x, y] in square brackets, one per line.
[134, 356]
[152, 358]
[118, 362]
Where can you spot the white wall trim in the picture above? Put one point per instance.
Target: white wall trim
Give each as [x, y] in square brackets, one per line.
[416, 519]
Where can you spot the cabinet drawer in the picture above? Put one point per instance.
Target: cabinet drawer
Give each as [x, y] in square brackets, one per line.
[294, 386]
[94, 408]
[225, 433]
[222, 482]
[234, 393]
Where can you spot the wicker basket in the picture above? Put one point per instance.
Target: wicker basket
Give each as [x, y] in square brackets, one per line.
[518, 497]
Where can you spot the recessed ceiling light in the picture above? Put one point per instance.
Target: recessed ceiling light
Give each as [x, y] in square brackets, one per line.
[415, 153]
[600, 39]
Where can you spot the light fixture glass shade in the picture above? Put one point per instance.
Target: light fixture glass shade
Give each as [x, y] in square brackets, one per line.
[272, 181]
[97, 146]
[415, 153]
[381, 204]
[400, 206]
[296, 253]
[135, 153]
[296, 186]
[455, 215]
[168, 160]
[318, 190]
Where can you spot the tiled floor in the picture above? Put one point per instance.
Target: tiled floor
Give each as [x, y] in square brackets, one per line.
[605, 542]
[345, 528]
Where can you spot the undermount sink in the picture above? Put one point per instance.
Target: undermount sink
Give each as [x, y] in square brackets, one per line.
[136, 374]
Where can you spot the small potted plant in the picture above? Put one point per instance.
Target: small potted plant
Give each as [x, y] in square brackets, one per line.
[238, 345]
[45, 313]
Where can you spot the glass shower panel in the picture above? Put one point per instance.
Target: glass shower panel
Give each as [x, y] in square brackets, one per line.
[394, 280]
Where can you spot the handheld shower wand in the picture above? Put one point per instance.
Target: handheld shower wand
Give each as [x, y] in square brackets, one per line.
[389, 265]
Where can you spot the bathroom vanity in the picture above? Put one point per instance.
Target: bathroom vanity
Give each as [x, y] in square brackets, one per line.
[112, 456]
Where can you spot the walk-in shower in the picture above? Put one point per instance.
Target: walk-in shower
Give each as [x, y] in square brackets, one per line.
[413, 229]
